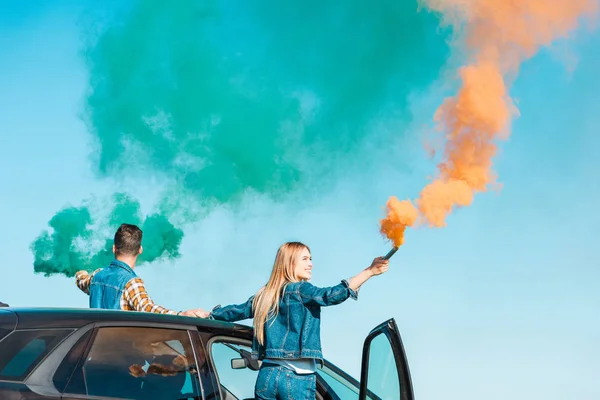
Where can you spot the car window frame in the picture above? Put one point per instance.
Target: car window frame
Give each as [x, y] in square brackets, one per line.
[51, 375]
[207, 374]
[389, 329]
[208, 346]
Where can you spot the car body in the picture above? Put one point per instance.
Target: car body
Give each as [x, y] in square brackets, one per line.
[53, 353]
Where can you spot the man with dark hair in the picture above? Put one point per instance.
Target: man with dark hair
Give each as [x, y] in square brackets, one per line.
[117, 286]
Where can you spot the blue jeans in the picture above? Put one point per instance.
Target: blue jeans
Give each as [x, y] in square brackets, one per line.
[275, 382]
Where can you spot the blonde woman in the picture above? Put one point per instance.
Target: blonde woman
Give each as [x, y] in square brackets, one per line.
[287, 322]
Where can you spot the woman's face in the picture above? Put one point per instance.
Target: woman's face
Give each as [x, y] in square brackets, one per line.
[303, 265]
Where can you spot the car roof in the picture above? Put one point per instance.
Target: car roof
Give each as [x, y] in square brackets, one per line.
[55, 317]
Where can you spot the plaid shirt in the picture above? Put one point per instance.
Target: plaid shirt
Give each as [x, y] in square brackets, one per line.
[135, 297]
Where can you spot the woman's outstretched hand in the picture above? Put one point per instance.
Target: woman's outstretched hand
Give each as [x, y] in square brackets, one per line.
[379, 266]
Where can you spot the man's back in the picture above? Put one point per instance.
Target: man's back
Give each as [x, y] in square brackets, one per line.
[107, 285]
[117, 287]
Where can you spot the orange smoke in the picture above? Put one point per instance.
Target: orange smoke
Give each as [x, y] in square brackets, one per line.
[498, 35]
[400, 215]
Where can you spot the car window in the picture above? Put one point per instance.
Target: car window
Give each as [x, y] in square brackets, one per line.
[383, 378]
[69, 363]
[21, 351]
[148, 363]
[339, 385]
[343, 388]
[236, 370]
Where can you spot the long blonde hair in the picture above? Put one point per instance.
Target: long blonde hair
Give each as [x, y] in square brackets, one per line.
[266, 301]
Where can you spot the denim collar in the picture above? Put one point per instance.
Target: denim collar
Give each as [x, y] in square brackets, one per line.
[121, 264]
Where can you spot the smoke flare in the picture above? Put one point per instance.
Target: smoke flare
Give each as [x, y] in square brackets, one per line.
[70, 246]
[499, 35]
[213, 99]
[226, 100]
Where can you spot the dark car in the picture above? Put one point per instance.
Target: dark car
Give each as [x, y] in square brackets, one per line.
[98, 354]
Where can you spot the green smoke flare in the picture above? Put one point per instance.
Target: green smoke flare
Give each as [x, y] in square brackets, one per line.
[54, 252]
[67, 249]
[160, 237]
[219, 97]
[223, 98]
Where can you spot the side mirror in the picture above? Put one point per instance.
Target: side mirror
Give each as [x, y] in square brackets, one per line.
[245, 362]
[238, 363]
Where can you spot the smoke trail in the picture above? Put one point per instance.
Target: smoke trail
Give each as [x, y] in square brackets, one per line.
[499, 35]
[214, 99]
[223, 99]
[53, 252]
[160, 238]
[78, 242]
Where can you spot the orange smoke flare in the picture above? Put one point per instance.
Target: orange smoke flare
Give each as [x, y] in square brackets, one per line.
[499, 35]
[400, 215]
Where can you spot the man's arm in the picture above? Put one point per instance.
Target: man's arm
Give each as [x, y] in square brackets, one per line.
[83, 280]
[138, 299]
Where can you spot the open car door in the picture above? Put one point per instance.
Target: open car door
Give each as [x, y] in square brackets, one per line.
[385, 374]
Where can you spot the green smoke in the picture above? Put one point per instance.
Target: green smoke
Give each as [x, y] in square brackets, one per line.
[55, 252]
[69, 247]
[216, 98]
[160, 238]
[225, 97]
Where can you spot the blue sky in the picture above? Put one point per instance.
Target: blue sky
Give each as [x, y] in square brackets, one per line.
[501, 303]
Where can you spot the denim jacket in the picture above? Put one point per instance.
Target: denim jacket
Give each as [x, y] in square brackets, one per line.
[296, 331]
[107, 286]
